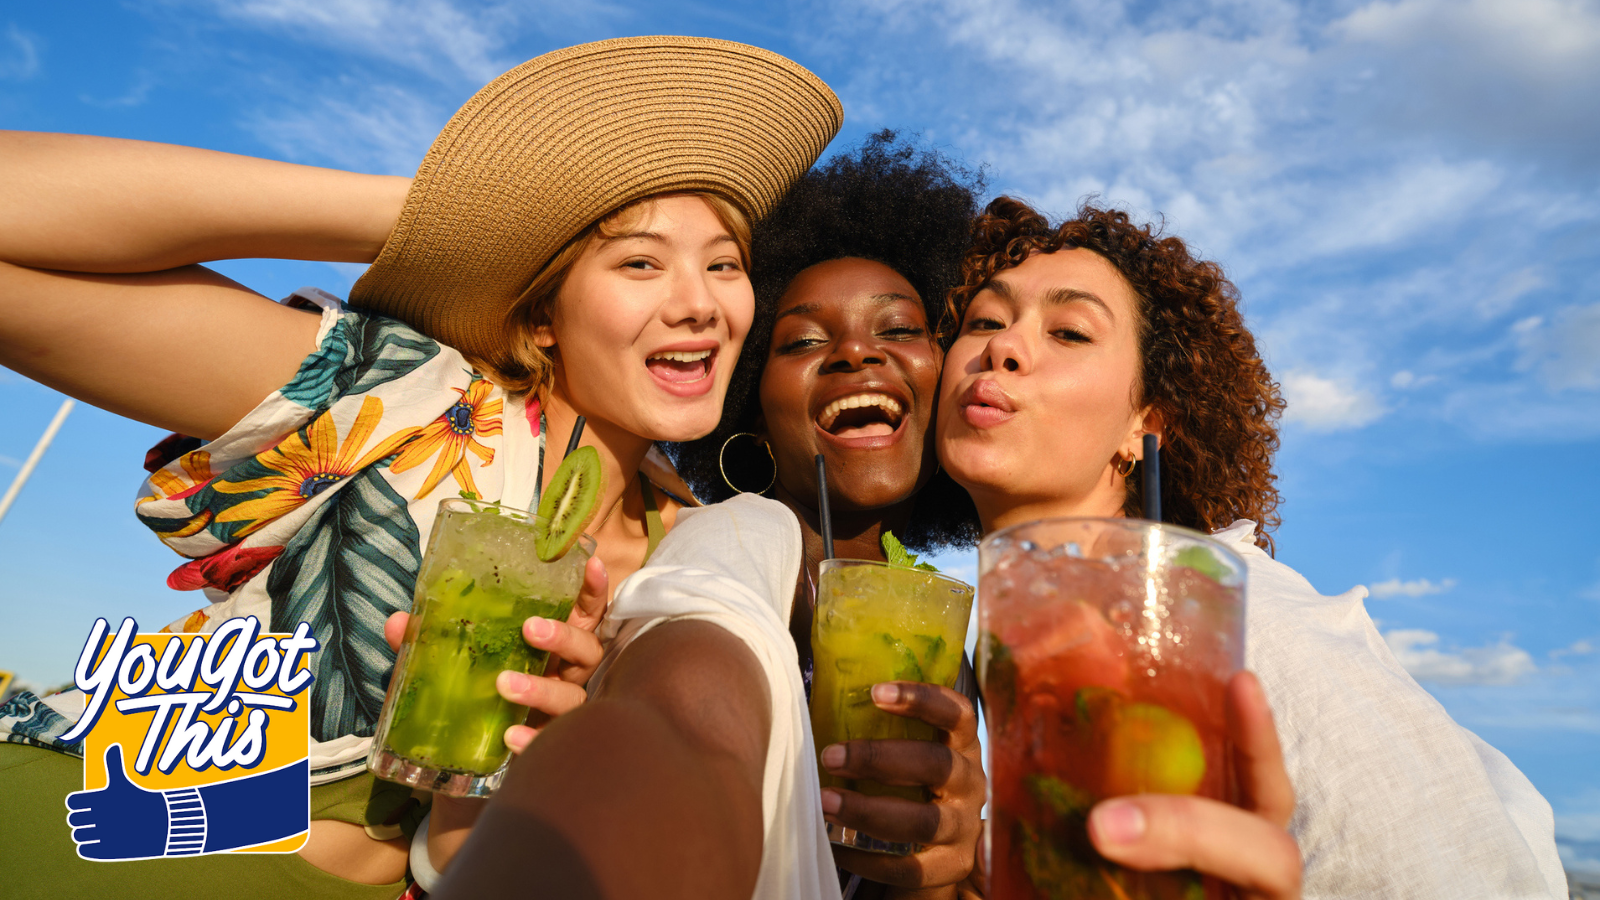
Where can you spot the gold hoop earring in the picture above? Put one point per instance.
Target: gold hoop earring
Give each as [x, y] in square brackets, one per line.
[1125, 467]
[721, 467]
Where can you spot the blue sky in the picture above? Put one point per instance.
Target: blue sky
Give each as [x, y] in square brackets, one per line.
[1405, 193]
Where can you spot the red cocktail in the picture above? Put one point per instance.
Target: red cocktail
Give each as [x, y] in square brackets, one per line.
[1104, 650]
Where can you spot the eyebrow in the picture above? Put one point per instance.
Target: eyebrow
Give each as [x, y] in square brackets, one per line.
[1060, 296]
[657, 236]
[806, 309]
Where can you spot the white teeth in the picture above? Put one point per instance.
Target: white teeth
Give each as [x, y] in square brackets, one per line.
[856, 401]
[681, 355]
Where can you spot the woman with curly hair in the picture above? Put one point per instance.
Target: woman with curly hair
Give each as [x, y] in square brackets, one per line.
[843, 360]
[1075, 341]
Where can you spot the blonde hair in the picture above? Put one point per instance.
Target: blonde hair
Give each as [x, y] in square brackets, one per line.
[530, 368]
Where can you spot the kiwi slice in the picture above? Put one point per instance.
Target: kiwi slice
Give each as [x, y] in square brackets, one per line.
[570, 502]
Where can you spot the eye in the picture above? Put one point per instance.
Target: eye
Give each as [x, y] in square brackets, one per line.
[725, 266]
[903, 332]
[800, 344]
[1071, 336]
[980, 323]
[639, 263]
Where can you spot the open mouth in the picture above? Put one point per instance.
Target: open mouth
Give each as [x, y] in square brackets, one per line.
[681, 366]
[861, 415]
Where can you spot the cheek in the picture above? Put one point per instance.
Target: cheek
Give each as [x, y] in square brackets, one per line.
[782, 401]
[956, 365]
[739, 306]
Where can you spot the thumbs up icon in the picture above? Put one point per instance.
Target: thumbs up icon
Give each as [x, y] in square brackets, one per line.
[120, 820]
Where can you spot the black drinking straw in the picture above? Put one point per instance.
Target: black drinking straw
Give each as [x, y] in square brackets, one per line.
[577, 433]
[1152, 478]
[822, 508]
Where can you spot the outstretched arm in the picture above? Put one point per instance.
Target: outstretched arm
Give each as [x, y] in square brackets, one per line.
[99, 294]
[651, 789]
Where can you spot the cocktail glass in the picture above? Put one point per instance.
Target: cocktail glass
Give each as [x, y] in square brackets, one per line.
[1104, 651]
[874, 623]
[443, 723]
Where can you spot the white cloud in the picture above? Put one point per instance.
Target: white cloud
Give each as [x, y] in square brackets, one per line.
[1565, 350]
[1578, 832]
[1374, 213]
[1416, 649]
[437, 36]
[1507, 73]
[1420, 587]
[1578, 818]
[19, 56]
[1326, 404]
[1577, 648]
[383, 129]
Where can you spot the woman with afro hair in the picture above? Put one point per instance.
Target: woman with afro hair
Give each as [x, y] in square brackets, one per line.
[851, 275]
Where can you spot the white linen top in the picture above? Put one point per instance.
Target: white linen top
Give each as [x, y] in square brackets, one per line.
[1394, 799]
[735, 564]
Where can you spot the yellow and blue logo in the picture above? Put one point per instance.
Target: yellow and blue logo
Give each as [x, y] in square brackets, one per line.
[193, 743]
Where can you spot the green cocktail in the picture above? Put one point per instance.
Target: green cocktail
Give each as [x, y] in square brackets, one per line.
[443, 724]
[875, 623]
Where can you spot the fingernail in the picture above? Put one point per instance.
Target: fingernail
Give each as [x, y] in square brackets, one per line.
[833, 756]
[886, 693]
[540, 629]
[513, 682]
[831, 802]
[1118, 822]
[516, 741]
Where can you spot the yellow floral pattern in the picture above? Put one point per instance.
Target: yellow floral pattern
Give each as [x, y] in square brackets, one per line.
[452, 436]
[307, 463]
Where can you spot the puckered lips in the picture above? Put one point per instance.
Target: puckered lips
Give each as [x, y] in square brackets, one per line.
[684, 369]
[984, 405]
[862, 416]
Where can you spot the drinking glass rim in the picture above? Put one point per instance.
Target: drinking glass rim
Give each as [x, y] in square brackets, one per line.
[463, 504]
[841, 560]
[1125, 523]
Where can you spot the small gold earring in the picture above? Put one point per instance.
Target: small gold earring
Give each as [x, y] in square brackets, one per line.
[1126, 466]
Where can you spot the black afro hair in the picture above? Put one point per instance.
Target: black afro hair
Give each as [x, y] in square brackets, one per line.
[884, 201]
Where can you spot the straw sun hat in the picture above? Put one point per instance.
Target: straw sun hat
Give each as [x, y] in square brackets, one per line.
[563, 139]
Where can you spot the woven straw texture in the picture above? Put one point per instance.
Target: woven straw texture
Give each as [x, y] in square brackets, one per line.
[563, 139]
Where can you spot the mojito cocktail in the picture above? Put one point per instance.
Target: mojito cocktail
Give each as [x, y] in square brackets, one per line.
[443, 724]
[1105, 647]
[875, 623]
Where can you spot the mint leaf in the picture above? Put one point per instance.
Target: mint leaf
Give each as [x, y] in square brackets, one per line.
[895, 553]
[470, 495]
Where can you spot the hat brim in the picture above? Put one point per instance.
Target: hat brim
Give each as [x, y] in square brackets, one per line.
[561, 140]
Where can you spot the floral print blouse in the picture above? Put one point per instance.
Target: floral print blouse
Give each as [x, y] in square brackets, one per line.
[316, 505]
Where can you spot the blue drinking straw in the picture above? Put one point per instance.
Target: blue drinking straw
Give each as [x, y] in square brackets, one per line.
[1152, 478]
[822, 508]
[577, 432]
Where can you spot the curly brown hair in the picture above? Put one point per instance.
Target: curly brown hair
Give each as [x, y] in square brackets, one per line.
[1200, 370]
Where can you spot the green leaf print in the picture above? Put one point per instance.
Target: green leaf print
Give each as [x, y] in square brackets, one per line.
[345, 571]
[385, 350]
[360, 353]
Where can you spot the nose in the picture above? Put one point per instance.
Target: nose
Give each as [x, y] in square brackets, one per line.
[852, 353]
[690, 301]
[1008, 351]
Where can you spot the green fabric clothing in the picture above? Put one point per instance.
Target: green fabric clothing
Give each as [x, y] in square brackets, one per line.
[41, 861]
[654, 528]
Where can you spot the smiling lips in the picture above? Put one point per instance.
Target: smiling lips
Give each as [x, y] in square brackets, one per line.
[680, 366]
[861, 415]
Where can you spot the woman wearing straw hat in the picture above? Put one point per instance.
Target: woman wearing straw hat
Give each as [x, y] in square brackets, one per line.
[575, 243]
